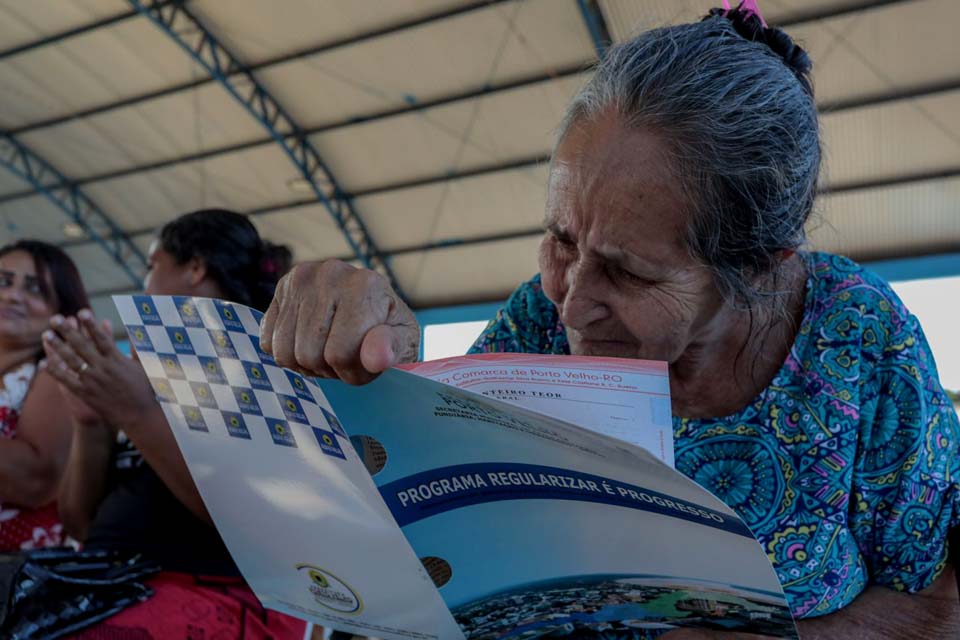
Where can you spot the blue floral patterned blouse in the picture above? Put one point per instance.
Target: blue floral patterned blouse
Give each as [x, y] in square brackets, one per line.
[846, 467]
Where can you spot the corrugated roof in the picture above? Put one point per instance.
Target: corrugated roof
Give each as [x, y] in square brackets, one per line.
[436, 117]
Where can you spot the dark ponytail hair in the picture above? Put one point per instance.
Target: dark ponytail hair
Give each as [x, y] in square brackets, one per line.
[244, 266]
[54, 267]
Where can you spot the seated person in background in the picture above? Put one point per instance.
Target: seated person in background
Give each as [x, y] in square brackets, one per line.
[37, 280]
[126, 487]
[804, 394]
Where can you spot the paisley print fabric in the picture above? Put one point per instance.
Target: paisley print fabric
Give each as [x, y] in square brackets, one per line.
[846, 467]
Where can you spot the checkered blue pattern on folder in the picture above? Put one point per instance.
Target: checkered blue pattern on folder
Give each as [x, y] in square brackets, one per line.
[204, 361]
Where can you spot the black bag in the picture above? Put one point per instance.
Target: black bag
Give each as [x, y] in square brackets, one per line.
[50, 593]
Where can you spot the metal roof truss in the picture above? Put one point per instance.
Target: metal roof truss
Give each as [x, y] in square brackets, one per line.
[184, 28]
[74, 203]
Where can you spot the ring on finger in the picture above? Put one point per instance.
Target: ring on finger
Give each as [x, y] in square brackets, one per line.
[83, 367]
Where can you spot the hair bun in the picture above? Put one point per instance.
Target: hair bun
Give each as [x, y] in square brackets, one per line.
[275, 260]
[748, 25]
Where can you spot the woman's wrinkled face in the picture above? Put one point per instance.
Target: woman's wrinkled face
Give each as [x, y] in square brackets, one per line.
[614, 259]
[24, 309]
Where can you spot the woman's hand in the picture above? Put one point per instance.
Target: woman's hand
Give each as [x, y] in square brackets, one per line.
[82, 413]
[82, 356]
[332, 320]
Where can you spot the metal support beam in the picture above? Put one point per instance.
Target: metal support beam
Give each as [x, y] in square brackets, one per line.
[333, 126]
[65, 35]
[927, 176]
[893, 181]
[526, 163]
[797, 19]
[466, 242]
[270, 62]
[813, 14]
[939, 261]
[803, 18]
[530, 232]
[918, 92]
[194, 38]
[596, 25]
[77, 206]
[522, 163]
[915, 92]
[919, 267]
[826, 109]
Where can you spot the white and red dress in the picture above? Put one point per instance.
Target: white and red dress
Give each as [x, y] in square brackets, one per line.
[22, 529]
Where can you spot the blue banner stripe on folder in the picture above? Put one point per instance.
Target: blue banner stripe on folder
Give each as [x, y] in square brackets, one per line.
[436, 491]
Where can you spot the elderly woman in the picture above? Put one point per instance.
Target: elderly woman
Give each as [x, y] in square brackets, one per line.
[804, 393]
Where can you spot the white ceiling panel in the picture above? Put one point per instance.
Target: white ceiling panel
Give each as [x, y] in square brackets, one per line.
[309, 232]
[868, 53]
[244, 180]
[790, 10]
[892, 221]
[460, 209]
[894, 139]
[256, 30]
[120, 61]
[627, 18]
[143, 241]
[472, 273]
[857, 54]
[30, 21]
[91, 275]
[894, 48]
[489, 46]
[11, 183]
[498, 128]
[97, 267]
[188, 122]
[33, 217]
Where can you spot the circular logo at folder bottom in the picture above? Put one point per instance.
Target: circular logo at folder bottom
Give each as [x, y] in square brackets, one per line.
[330, 591]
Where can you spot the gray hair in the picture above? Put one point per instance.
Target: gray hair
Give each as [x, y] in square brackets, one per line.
[735, 104]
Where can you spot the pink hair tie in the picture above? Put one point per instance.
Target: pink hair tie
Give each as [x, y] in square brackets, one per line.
[748, 8]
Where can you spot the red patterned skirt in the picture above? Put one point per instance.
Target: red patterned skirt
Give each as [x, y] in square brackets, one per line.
[23, 529]
[186, 607]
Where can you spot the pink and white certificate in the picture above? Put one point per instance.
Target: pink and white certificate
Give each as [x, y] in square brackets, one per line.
[624, 399]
